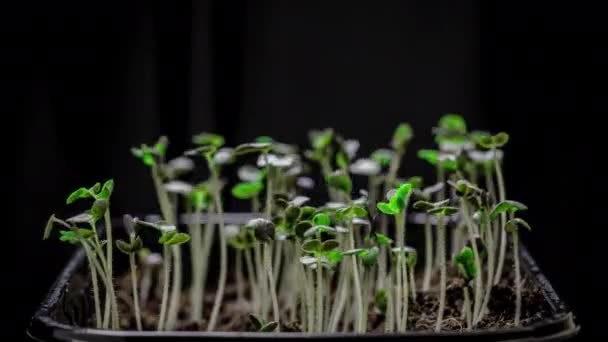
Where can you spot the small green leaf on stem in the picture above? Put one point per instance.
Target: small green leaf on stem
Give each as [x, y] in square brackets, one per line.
[340, 180]
[514, 224]
[403, 134]
[506, 206]
[312, 246]
[77, 194]
[381, 300]
[210, 139]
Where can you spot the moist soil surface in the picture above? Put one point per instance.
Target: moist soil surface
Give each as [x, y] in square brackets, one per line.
[234, 315]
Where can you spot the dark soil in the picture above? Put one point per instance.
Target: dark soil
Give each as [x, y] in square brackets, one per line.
[422, 312]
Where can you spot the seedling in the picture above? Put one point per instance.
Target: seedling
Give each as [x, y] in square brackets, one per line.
[396, 206]
[209, 151]
[100, 210]
[512, 226]
[465, 261]
[131, 248]
[494, 143]
[440, 210]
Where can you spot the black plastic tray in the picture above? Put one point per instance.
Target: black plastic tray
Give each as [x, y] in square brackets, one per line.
[45, 327]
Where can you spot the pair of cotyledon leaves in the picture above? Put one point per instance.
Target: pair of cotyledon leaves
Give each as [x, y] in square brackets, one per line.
[398, 200]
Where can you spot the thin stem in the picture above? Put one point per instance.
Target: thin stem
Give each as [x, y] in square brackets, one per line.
[109, 248]
[262, 281]
[503, 234]
[310, 300]
[276, 264]
[442, 268]
[146, 283]
[196, 290]
[489, 280]
[464, 209]
[517, 277]
[219, 295]
[133, 267]
[428, 258]
[251, 277]
[271, 284]
[319, 297]
[255, 204]
[412, 283]
[165, 296]
[341, 296]
[101, 271]
[404, 273]
[389, 320]
[240, 285]
[368, 276]
[94, 280]
[356, 279]
[208, 238]
[467, 307]
[176, 288]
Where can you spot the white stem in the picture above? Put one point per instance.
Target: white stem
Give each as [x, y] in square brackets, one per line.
[503, 234]
[165, 296]
[428, 259]
[271, 284]
[133, 266]
[176, 288]
[442, 268]
[517, 277]
[219, 295]
[94, 280]
[467, 307]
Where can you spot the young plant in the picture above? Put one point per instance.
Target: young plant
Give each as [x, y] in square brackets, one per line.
[215, 160]
[440, 211]
[261, 325]
[465, 261]
[264, 232]
[169, 238]
[131, 248]
[396, 206]
[512, 226]
[101, 210]
[494, 143]
[84, 237]
[369, 259]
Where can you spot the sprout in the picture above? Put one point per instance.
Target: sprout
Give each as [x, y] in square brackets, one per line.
[398, 200]
[261, 325]
[494, 141]
[465, 261]
[506, 206]
[351, 147]
[247, 190]
[178, 187]
[275, 161]
[131, 248]
[381, 300]
[402, 136]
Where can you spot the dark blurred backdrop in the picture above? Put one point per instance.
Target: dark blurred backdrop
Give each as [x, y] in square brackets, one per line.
[102, 77]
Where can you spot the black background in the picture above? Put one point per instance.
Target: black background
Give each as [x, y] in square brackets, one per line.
[101, 77]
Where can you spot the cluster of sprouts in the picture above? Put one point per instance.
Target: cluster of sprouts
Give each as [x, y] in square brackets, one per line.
[320, 266]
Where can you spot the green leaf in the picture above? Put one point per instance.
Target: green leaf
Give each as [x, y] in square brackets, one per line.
[423, 205]
[321, 139]
[247, 190]
[465, 260]
[383, 157]
[123, 246]
[106, 190]
[403, 134]
[68, 236]
[255, 321]
[430, 156]
[381, 300]
[312, 246]
[80, 193]
[334, 256]
[506, 206]
[341, 160]
[95, 188]
[386, 208]
[416, 182]
[269, 327]
[314, 230]
[199, 199]
[161, 145]
[383, 240]
[329, 245]
[263, 229]
[210, 139]
[99, 208]
[486, 141]
[252, 148]
[177, 239]
[500, 139]
[264, 139]
[340, 180]
[514, 224]
[369, 257]
[301, 228]
[411, 258]
[443, 211]
[355, 251]
[453, 123]
[307, 212]
[81, 218]
[292, 213]
[321, 219]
